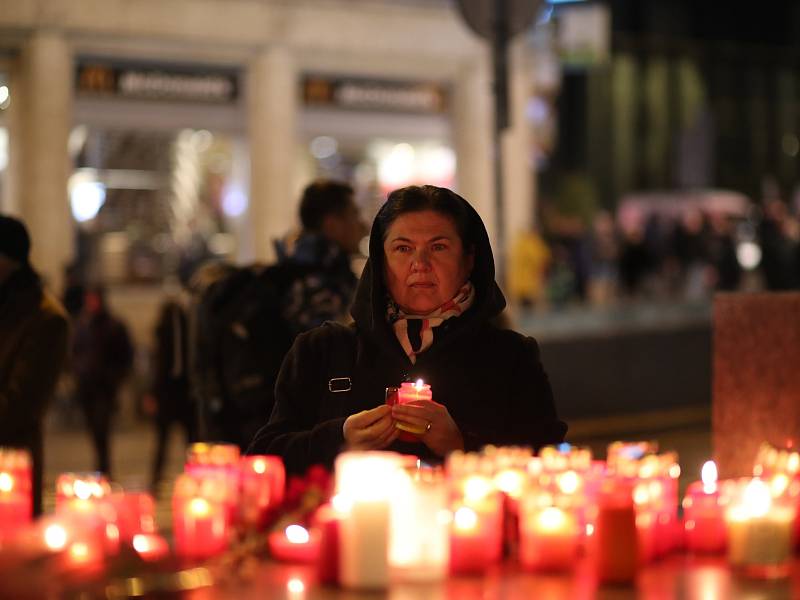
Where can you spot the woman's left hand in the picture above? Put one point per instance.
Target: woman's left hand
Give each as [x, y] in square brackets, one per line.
[441, 432]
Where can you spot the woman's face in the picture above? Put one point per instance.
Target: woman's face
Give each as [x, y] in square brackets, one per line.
[425, 261]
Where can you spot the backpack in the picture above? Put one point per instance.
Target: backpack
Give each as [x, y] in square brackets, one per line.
[240, 338]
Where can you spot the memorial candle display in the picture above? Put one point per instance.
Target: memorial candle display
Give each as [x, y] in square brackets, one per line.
[419, 536]
[703, 513]
[759, 531]
[16, 504]
[199, 520]
[364, 485]
[412, 392]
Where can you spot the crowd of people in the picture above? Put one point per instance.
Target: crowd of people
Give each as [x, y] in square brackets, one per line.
[687, 255]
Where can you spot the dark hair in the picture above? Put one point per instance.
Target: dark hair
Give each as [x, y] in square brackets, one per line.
[415, 198]
[321, 198]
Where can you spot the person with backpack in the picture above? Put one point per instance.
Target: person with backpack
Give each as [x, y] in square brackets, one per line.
[245, 319]
[424, 309]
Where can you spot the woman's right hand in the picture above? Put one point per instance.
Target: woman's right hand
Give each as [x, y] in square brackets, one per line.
[370, 429]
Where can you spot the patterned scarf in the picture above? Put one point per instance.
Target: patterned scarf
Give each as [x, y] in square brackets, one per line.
[415, 332]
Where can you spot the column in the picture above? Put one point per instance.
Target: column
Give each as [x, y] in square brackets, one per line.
[519, 192]
[272, 115]
[44, 99]
[472, 135]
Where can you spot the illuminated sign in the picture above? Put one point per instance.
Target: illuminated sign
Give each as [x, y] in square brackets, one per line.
[156, 82]
[370, 94]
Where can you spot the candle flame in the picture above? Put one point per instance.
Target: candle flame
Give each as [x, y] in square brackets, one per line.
[589, 530]
[6, 482]
[465, 519]
[569, 482]
[295, 586]
[199, 507]
[793, 464]
[82, 490]
[551, 518]
[79, 551]
[141, 543]
[260, 466]
[419, 383]
[709, 476]
[510, 482]
[779, 484]
[756, 498]
[476, 488]
[641, 495]
[297, 534]
[55, 537]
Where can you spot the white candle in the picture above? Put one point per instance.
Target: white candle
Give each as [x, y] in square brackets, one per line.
[364, 486]
[759, 532]
[420, 531]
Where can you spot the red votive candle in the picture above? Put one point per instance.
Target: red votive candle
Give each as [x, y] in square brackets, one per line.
[703, 514]
[615, 539]
[135, 514]
[263, 482]
[150, 546]
[295, 544]
[327, 522]
[199, 517]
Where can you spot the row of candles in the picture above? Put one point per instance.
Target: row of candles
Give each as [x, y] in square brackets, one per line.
[393, 518]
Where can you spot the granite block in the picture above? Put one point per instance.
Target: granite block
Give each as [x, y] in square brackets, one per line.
[756, 376]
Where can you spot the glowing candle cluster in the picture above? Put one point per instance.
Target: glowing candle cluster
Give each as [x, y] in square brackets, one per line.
[16, 505]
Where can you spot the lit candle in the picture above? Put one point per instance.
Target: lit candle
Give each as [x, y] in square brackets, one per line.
[150, 546]
[326, 520]
[412, 392]
[200, 525]
[364, 484]
[420, 524]
[548, 537]
[220, 462]
[615, 539]
[703, 514]
[295, 544]
[15, 505]
[263, 482]
[759, 531]
[476, 535]
[135, 512]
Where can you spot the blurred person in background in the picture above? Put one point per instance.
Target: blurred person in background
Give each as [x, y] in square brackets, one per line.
[169, 401]
[102, 356]
[34, 331]
[777, 234]
[604, 253]
[691, 248]
[529, 260]
[722, 253]
[248, 317]
[332, 229]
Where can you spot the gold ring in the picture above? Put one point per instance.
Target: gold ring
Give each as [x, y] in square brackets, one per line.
[428, 426]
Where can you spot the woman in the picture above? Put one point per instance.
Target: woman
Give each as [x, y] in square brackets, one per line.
[422, 311]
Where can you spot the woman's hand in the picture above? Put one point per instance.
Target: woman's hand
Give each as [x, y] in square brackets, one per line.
[370, 429]
[441, 432]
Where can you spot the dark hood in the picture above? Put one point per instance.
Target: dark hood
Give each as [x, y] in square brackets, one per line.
[369, 307]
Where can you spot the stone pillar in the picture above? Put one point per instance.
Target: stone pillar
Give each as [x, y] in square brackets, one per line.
[44, 101]
[272, 114]
[472, 136]
[519, 192]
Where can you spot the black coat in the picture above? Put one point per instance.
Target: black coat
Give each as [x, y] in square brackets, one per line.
[491, 380]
